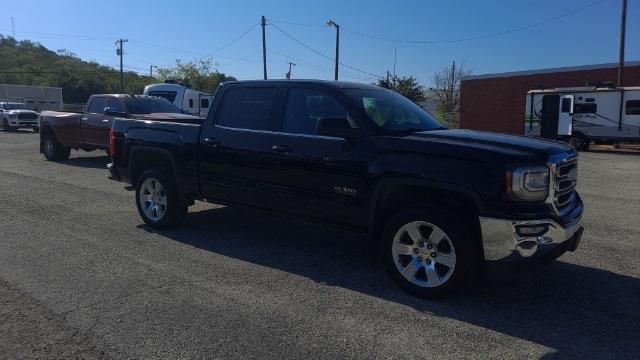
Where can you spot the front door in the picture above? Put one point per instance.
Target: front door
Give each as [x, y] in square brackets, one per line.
[235, 146]
[320, 176]
[95, 124]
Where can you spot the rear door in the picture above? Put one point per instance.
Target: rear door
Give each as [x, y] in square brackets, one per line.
[94, 122]
[321, 176]
[235, 147]
[565, 117]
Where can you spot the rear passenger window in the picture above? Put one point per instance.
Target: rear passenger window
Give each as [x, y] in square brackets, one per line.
[97, 105]
[247, 108]
[304, 108]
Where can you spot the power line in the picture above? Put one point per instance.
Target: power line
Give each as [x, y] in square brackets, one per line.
[231, 42]
[322, 54]
[485, 36]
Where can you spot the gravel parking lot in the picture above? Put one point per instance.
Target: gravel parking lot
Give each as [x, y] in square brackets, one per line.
[82, 277]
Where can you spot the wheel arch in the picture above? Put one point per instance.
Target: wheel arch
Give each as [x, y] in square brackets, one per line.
[142, 158]
[392, 195]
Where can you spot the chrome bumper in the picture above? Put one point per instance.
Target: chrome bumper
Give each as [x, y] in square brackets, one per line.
[502, 242]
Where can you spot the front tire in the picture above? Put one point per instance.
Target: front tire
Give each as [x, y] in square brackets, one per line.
[427, 253]
[579, 142]
[53, 150]
[158, 200]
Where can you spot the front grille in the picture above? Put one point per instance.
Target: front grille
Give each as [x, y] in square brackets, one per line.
[565, 182]
[27, 116]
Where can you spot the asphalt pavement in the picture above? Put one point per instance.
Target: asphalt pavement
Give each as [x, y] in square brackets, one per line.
[81, 276]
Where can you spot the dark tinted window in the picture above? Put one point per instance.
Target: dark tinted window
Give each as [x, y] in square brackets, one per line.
[97, 105]
[190, 103]
[590, 108]
[304, 108]
[247, 108]
[566, 105]
[204, 103]
[169, 95]
[115, 105]
[149, 105]
[633, 107]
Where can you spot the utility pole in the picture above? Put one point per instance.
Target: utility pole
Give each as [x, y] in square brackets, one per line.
[13, 28]
[120, 53]
[395, 58]
[453, 84]
[288, 75]
[333, 23]
[263, 22]
[151, 70]
[623, 28]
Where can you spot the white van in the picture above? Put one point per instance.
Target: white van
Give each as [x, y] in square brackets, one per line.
[584, 114]
[188, 100]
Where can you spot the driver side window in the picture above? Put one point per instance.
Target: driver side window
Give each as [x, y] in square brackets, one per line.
[305, 106]
[97, 105]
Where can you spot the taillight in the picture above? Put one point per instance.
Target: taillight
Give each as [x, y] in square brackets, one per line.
[112, 142]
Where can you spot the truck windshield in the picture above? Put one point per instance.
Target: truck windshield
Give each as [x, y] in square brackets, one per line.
[14, 106]
[140, 105]
[392, 111]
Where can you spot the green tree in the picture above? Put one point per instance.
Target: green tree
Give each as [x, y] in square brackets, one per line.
[406, 86]
[201, 75]
[29, 63]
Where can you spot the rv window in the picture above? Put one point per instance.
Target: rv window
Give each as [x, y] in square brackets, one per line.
[169, 95]
[247, 108]
[566, 105]
[204, 103]
[633, 107]
[590, 108]
[190, 103]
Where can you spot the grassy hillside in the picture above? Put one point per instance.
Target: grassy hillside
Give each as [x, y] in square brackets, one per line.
[29, 63]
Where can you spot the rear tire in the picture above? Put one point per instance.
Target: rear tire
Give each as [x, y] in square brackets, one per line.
[53, 150]
[36, 129]
[428, 254]
[5, 126]
[158, 200]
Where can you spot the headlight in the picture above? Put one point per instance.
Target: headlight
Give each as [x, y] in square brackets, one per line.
[529, 183]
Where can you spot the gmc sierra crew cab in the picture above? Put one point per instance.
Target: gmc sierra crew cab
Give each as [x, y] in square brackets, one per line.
[440, 204]
[89, 130]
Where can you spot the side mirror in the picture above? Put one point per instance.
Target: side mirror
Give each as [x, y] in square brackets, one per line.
[337, 127]
[110, 111]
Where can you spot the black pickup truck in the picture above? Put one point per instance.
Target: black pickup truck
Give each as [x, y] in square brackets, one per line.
[440, 204]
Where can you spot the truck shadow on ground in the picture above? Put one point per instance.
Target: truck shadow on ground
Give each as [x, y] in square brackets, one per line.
[90, 162]
[576, 310]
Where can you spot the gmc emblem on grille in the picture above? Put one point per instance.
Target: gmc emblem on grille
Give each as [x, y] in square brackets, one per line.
[573, 174]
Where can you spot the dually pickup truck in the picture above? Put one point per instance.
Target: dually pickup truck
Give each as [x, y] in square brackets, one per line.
[60, 131]
[440, 204]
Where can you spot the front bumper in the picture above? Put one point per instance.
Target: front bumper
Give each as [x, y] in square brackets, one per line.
[23, 123]
[503, 244]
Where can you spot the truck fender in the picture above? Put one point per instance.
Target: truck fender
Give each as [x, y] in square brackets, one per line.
[376, 196]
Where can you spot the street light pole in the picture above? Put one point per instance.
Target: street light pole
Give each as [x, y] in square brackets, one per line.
[151, 70]
[332, 23]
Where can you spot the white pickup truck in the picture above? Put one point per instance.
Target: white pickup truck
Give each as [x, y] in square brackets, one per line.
[15, 116]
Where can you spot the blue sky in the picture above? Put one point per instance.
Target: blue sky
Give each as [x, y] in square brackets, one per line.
[161, 31]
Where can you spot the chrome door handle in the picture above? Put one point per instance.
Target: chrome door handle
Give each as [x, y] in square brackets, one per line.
[280, 148]
[84, 119]
[105, 120]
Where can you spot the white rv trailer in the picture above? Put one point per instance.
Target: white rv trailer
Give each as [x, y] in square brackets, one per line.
[584, 114]
[188, 100]
[36, 98]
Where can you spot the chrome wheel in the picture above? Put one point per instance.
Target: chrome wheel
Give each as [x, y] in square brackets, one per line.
[423, 254]
[153, 199]
[48, 148]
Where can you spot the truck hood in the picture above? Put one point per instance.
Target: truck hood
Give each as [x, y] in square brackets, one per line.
[476, 145]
